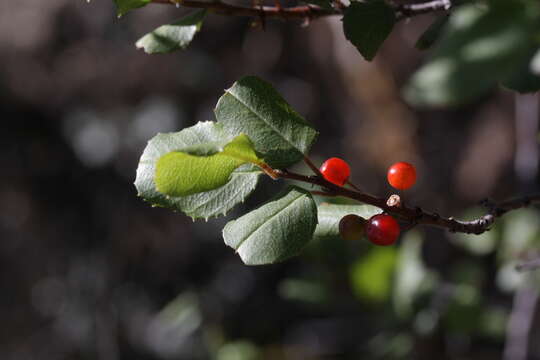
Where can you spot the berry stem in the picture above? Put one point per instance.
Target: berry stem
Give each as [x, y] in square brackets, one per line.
[415, 215]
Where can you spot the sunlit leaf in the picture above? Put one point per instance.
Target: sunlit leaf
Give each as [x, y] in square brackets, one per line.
[202, 168]
[202, 205]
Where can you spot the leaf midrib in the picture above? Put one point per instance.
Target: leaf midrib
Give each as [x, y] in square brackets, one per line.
[263, 120]
[267, 221]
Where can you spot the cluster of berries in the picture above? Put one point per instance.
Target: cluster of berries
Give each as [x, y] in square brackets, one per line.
[380, 229]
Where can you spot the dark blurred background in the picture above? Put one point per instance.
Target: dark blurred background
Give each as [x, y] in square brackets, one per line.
[90, 271]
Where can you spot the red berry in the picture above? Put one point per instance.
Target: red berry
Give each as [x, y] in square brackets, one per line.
[382, 229]
[352, 227]
[336, 171]
[401, 175]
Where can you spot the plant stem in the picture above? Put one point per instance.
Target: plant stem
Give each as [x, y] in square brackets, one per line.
[415, 215]
[301, 12]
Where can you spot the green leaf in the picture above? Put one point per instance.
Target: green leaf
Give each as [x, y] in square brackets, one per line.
[522, 79]
[202, 205]
[252, 106]
[372, 275]
[325, 4]
[179, 173]
[123, 6]
[367, 24]
[535, 63]
[329, 216]
[175, 36]
[412, 277]
[275, 231]
[480, 46]
[432, 34]
[479, 245]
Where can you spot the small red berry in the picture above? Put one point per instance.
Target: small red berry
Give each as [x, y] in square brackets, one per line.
[382, 229]
[352, 227]
[336, 171]
[401, 175]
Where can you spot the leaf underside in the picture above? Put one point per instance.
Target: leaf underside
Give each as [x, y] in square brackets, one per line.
[329, 216]
[202, 205]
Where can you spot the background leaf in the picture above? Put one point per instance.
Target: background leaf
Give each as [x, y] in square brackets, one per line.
[179, 173]
[175, 36]
[535, 63]
[479, 47]
[329, 216]
[412, 277]
[253, 107]
[275, 231]
[123, 6]
[202, 205]
[522, 79]
[372, 275]
[366, 25]
[432, 34]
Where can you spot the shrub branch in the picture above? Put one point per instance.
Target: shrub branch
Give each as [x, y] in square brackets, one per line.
[301, 12]
[413, 215]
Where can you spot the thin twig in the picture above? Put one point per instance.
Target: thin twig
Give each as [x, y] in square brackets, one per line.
[302, 12]
[353, 186]
[312, 166]
[411, 214]
[295, 12]
[409, 10]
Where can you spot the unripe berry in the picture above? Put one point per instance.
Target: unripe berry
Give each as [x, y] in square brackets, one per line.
[382, 229]
[352, 227]
[336, 171]
[401, 175]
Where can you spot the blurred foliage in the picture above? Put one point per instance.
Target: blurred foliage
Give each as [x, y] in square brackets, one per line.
[92, 272]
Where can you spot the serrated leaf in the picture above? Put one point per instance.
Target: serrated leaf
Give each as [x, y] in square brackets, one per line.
[329, 216]
[432, 34]
[202, 168]
[123, 6]
[480, 46]
[202, 205]
[367, 24]
[252, 106]
[171, 37]
[275, 231]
